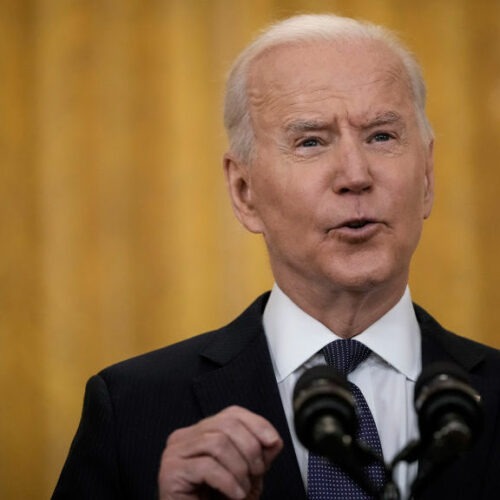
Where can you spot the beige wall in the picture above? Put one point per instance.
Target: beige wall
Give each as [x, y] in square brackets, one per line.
[116, 236]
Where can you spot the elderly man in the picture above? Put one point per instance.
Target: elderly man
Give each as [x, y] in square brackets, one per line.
[331, 160]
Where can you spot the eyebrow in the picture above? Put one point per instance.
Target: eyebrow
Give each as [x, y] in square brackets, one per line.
[386, 118]
[308, 125]
[305, 126]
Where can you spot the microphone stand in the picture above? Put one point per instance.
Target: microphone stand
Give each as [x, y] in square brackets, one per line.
[352, 456]
[409, 453]
[355, 455]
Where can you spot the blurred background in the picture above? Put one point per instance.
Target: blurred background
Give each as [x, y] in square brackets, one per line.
[116, 235]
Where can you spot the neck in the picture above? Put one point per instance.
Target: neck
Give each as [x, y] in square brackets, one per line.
[346, 313]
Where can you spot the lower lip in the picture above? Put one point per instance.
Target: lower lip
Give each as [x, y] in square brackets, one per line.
[356, 235]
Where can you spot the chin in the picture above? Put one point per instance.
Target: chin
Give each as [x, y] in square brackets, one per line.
[361, 285]
[361, 279]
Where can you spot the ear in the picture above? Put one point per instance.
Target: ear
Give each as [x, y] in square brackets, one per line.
[239, 185]
[429, 180]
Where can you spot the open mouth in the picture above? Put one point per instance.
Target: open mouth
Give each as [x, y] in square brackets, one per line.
[357, 224]
[356, 229]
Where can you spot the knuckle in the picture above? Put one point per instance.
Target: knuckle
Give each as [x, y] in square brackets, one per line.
[219, 444]
[176, 436]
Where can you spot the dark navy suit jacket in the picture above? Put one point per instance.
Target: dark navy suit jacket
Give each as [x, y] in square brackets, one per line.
[131, 408]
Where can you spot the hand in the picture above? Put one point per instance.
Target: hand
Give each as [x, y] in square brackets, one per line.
[228, 452]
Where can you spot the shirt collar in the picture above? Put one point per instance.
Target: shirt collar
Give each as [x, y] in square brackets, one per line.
[294, 336]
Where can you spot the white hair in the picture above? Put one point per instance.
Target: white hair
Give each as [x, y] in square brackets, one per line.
[303, 29]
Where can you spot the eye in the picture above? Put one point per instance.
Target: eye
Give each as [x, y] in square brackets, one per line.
[381, 137]
[310, 142]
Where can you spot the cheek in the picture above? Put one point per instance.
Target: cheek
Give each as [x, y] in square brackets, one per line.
[287, 211]
[411, 194]
[275, 191]
[271, 202]
[412, 215]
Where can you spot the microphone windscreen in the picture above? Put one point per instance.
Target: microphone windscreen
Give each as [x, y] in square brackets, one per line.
[434, 370]
[450, 418]
[317, 374]
[322, 397]
[443, 393]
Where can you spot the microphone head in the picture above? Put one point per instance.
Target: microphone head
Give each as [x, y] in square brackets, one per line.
[324, 409]
[434, 370]
[444, 397]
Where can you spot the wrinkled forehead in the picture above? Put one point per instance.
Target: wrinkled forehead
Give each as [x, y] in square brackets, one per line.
[295, 72]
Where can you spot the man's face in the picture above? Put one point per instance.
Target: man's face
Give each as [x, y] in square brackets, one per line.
[341, 176]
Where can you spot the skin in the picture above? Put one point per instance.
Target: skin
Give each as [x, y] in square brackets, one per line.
[339, 185]
[338, 141]
[229, 452]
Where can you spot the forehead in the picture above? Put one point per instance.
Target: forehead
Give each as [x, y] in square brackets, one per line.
[354, 77]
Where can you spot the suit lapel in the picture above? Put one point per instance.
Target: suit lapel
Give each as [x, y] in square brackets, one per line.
[243, 375]
[440, 345]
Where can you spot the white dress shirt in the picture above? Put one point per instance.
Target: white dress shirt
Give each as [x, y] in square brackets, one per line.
[386, 378]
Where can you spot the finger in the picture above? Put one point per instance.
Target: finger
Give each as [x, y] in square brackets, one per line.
[261, 429]
[253, 436]
[215, 444]
[183, 478]
[250, 445]
[238, 444]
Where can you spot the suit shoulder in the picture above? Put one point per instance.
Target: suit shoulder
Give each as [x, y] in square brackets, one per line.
[160, 361]
[191, 356]
[464, 350]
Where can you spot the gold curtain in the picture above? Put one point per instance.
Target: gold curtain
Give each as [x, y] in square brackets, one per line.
[116, 236]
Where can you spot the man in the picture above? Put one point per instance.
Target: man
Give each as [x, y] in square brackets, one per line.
[331, 160]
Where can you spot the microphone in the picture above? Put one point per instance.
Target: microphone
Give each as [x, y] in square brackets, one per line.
[324, 411]
[326, 422]
[450, 417]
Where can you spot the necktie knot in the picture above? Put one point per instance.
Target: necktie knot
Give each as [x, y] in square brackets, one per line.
[345, 354]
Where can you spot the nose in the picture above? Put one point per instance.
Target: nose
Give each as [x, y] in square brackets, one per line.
[352, 172]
